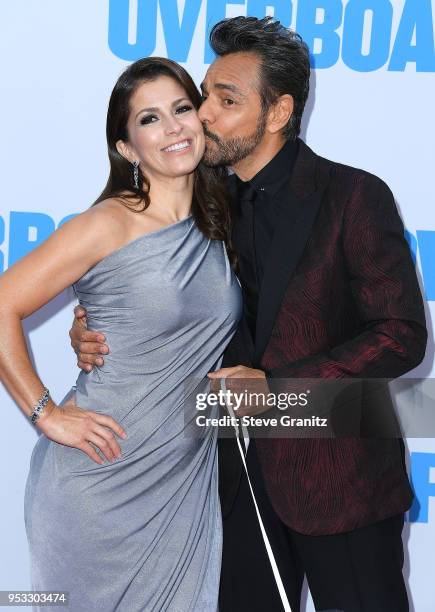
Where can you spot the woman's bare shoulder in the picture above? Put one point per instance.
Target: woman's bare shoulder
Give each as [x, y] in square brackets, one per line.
[109, 210]
[108, 218]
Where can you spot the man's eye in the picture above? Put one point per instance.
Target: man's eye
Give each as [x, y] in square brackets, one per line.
[184, 109]
[228, 102]
[148, 119]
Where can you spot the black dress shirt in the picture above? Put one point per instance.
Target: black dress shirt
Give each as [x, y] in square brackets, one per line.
[257, 207]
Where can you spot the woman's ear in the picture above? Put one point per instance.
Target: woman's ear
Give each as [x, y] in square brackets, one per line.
[280, 113]
[124, 150]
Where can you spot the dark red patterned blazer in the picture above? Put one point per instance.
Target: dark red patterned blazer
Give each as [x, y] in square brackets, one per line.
[339, 298]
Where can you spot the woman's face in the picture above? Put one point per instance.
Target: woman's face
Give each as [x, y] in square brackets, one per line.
[165, 134]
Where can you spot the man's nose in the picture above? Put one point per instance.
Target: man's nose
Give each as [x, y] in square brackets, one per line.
[205, 112]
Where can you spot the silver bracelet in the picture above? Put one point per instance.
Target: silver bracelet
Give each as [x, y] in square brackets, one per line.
[37, 410]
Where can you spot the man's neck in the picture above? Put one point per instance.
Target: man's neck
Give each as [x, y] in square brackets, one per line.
[248, 167]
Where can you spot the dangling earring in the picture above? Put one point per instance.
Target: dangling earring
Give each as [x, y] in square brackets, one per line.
[136, 174]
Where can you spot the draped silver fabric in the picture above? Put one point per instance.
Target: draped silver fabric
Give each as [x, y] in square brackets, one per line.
[142, 533]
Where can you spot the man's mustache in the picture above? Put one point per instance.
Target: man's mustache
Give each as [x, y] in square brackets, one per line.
[211, 136]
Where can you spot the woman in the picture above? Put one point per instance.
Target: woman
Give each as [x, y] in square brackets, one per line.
[142, 530]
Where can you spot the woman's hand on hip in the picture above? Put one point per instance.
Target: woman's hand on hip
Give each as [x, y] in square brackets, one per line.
[79, 428]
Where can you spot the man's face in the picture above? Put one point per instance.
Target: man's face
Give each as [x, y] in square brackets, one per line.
[234, 123]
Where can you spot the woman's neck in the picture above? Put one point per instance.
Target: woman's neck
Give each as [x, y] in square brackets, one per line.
[171, 198]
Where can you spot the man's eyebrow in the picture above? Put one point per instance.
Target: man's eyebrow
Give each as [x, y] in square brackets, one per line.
[230, 87]
[224, 86]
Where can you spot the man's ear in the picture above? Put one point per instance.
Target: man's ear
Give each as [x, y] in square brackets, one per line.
[280, 113]
[124, 150]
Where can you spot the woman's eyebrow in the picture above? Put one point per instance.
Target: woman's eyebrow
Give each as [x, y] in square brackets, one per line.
[154, 109]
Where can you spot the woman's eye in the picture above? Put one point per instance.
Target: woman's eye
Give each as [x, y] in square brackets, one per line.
[184, 109]
[148, 119]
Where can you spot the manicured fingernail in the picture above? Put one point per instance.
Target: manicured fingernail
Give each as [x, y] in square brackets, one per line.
[99, 361]
[124, 435]
[103, 350]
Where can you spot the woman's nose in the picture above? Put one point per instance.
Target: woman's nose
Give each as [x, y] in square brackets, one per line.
[173, 126]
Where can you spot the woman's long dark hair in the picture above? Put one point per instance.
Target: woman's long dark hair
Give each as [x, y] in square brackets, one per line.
[210, 205]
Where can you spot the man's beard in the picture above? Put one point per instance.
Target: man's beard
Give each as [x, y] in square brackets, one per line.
[231, 151]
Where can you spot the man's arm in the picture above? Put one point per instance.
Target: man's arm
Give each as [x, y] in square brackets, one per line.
[384, 284]
[88, 345]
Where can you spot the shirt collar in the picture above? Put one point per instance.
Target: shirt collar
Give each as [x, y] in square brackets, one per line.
[269, 180]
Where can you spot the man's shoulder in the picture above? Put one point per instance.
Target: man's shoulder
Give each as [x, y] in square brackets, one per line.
[345, 183]
[346, 174]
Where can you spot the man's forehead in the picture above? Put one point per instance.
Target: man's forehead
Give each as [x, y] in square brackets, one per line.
[239, 69]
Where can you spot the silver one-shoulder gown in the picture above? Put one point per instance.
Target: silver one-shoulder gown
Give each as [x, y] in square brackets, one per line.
[142, 533]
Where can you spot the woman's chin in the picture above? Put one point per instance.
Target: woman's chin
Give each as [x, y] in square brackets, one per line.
[183, 167]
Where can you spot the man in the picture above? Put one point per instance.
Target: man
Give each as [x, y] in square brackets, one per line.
[330, 292]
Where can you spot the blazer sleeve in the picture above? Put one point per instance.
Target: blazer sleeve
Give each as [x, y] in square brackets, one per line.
[392, 338]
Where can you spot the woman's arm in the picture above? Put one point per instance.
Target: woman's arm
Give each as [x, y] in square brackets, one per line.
[24, 288]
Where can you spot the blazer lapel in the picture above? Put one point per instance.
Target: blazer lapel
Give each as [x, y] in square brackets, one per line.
[293, 230]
